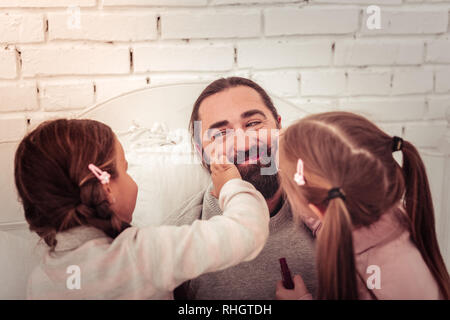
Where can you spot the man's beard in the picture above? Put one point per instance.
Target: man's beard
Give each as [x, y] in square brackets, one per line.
[267, 184]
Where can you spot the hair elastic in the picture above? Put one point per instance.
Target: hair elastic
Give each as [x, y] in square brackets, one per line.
[335, 193]
[101, 175]
[397, 144]
[298, 176]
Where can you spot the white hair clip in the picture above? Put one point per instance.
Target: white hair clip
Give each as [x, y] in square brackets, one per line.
[298, 176]
[101, 175]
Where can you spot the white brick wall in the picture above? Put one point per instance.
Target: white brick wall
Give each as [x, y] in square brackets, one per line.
[420, 20]
[271, 54]
[211, 24]
[323, 83]
[13, 127]
[410, 81]
[18, 96]
[8, 66]
[117, 26]
[57, 95]
[46, 3]
[364, 52]
[181, 57]
[443, 80]
[111, 87]
[21, 28]
[74, 59]
[285, 83]
[319, 54]
[369, 82]
[311, 52]
[384, 109]
[171, 3]
[438, 51]
[318, 20]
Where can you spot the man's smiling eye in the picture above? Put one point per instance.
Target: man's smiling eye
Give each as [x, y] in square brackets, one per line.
[218, 134]
[253, 123]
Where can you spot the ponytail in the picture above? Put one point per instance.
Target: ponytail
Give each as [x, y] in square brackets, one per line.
[419, 206]
[335, 254]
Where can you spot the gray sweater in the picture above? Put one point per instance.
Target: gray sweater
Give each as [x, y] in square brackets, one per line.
[256, 279]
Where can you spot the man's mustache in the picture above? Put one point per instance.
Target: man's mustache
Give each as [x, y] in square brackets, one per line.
[264, 159]
[255, 152]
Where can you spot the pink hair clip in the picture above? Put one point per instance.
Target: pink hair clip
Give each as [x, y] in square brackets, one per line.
[101, 175]
[298, 176]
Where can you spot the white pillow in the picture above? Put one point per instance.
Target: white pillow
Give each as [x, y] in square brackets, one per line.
[165, 168]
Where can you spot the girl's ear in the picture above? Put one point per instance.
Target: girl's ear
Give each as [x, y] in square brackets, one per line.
[109, 193]
[316, 210]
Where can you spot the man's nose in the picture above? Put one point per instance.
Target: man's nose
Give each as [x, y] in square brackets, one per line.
[244, 140]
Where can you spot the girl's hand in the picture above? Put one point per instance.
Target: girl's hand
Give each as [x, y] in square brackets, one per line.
[222, 170]
[298, 293]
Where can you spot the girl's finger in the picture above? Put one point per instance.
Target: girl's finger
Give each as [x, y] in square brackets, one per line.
[298, 282]
[227, 146]
[216, 156]
[280, 286]
[216, 151]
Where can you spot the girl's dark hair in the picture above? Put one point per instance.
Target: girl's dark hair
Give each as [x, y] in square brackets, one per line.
[55, 186]
[341, 149]
[223, 84]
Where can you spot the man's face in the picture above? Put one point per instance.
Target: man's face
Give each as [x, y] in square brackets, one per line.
[240, 111]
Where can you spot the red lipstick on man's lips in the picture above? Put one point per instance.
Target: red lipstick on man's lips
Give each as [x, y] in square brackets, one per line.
[254, 159]
[286, 274]
[253, 155]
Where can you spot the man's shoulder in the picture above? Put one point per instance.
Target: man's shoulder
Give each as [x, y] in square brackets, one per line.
[187, 212]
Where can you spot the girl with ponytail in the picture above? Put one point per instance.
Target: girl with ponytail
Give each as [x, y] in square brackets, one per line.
[374, 219]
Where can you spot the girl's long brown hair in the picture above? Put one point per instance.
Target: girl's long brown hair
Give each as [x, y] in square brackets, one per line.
[55, 186]
[341, 149]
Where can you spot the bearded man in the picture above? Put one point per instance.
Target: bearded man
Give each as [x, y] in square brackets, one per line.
[241, 107]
